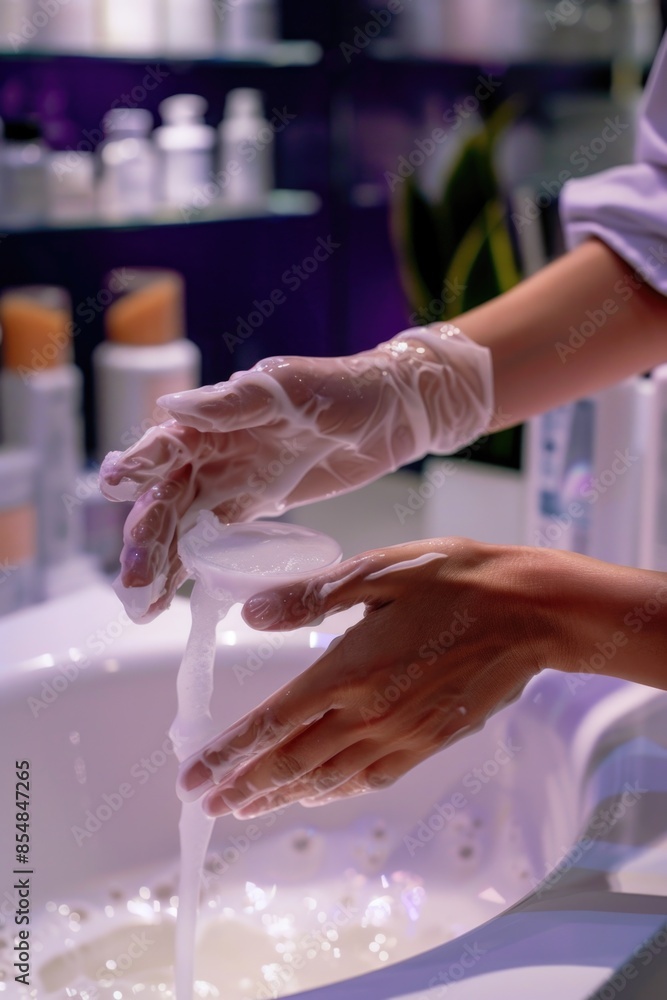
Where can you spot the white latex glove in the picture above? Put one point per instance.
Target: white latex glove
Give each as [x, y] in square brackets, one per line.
[289, 432]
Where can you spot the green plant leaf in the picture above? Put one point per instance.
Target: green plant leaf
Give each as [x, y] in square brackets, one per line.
[415, 237]
[484, 263]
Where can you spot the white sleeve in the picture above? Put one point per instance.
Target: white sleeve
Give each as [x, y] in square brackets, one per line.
[626, 207]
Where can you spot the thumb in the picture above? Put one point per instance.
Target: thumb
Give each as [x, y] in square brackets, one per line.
[305, 602]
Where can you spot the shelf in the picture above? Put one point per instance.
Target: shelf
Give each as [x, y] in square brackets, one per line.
[280, 204]
[272, 55]
[391, 50]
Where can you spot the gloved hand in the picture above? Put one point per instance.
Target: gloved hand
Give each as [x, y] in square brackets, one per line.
[288, 432]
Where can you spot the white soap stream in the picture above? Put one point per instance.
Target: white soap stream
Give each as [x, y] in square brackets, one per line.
[227, 564]
[192, 728]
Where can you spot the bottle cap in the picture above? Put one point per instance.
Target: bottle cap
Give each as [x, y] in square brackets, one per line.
[182, 109]
[149, 309]
[27, 130]
[128, 121]
[244, 102]
[36, 323]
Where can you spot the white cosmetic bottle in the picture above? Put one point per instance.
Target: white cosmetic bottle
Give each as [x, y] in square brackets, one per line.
[247, 25]
[18, 529]
[585, 468]
[185, 144]
[128, 165]
[246, 149]
[131, 26]
[144, 356]
[40, 397]
[190, 27]
[71, 27]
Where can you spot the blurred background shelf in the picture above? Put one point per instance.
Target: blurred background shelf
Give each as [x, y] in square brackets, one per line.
[280, 204]
[276, 55]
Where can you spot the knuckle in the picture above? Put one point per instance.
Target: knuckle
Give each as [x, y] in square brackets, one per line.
[286, 768]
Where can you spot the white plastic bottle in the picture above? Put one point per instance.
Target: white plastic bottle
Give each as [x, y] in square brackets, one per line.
[71, 186]
[190, 27]
[128, 165]
[18, 529]
[24, 170]
[144, 356]
[131, 26]
[247, 25]
[246, 149]
[40, 396]
[71, 27]
[186, 147]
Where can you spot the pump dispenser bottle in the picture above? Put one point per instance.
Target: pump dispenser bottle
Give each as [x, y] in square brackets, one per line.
[144, 356]
[185, 144]
[246, 139]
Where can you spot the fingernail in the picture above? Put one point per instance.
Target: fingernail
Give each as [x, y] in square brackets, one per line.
[214, 805]
[233, 798]
[262, 611]
[197, 775]
[136, 567]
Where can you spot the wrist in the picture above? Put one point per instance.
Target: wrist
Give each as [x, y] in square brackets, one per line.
[605, 619]
[448, 383]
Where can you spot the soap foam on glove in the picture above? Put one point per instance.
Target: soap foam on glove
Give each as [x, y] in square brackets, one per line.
[289, 432]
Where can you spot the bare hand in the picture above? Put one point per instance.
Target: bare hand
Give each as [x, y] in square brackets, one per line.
[453, 630]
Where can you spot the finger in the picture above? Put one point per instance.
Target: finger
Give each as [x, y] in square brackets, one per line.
[161, 452]
[297, 706]
[369, 578]
[306, 765]
[250, 400]
[151, 570]
[231, 752]
[379, 772]
[377, 777]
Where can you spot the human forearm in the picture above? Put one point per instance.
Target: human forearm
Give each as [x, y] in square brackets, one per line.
[608, 619]
[524, 327]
